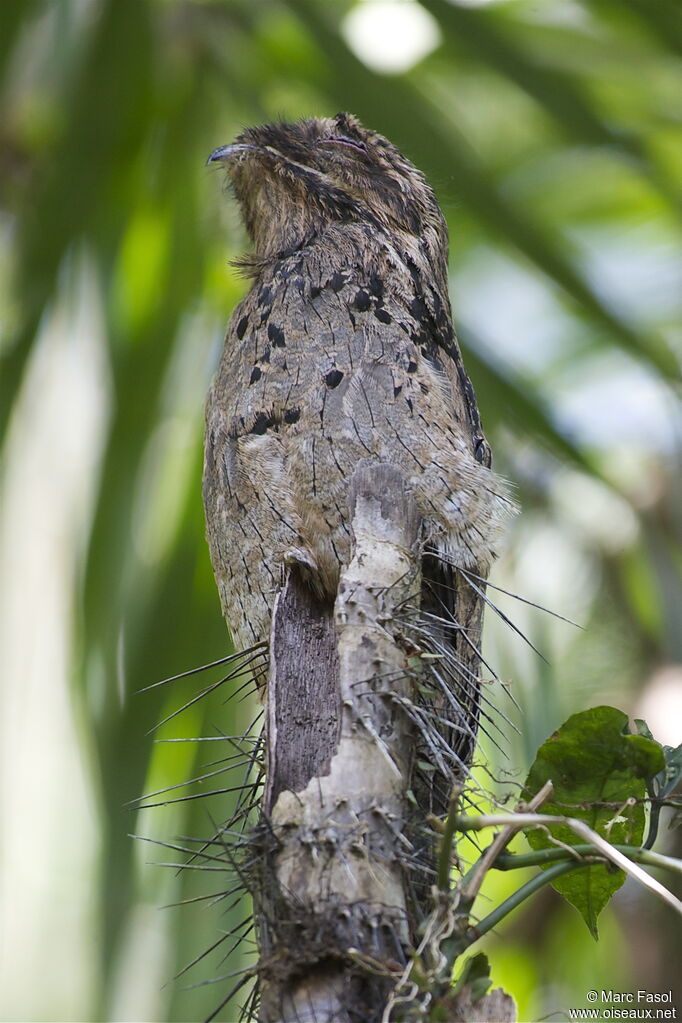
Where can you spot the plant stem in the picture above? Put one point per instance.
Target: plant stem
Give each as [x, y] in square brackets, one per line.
[599, 846]
[445, 854]
[516, 861]
[519, 896]
[474, 878]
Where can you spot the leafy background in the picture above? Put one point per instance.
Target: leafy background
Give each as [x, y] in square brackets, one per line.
[551, 132]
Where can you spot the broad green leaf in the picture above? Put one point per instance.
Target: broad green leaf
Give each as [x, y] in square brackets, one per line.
[670, 776]
[663, 783]
[667, 779]
[475, 975]
[596, 767]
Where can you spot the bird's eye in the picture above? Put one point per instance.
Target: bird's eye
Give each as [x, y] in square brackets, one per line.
[343, 140]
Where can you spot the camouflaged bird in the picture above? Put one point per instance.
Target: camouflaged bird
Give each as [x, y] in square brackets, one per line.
[342, 350]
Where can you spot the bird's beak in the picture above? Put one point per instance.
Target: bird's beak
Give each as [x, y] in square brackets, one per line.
[227, 152]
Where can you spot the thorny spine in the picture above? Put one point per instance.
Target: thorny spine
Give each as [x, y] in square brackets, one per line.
[241, 846]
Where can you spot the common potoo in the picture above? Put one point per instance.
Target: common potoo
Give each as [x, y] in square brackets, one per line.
[342, 350]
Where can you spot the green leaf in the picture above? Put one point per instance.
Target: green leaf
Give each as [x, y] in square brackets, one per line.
[669, 776]
[596, 766]
[475, 976]
[668, 779]
[663, 783]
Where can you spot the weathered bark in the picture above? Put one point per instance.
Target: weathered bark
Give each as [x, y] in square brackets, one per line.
[304, 702]
[333, 914]
[495, 1007]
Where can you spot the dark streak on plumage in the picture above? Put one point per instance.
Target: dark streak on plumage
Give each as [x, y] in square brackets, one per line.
[262, 422]
[276, 335]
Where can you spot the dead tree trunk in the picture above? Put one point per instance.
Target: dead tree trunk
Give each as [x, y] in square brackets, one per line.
[333, 911]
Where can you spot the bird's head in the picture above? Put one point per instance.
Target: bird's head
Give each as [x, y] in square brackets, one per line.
[293, 180]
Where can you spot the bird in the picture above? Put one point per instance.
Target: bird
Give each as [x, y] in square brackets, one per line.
[342, 350]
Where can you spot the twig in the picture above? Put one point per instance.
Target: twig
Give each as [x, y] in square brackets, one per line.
[581, 829]
[474, 878]
[517, 861]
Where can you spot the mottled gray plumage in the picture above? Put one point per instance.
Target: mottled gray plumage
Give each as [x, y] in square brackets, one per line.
[342, 350]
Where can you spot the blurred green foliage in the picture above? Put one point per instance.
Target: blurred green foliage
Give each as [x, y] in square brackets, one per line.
[551, 133]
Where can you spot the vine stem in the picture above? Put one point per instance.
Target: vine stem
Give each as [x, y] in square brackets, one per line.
[474, 878]
[602, 847]
[520, 895]
[445, 853]
[517, 861]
